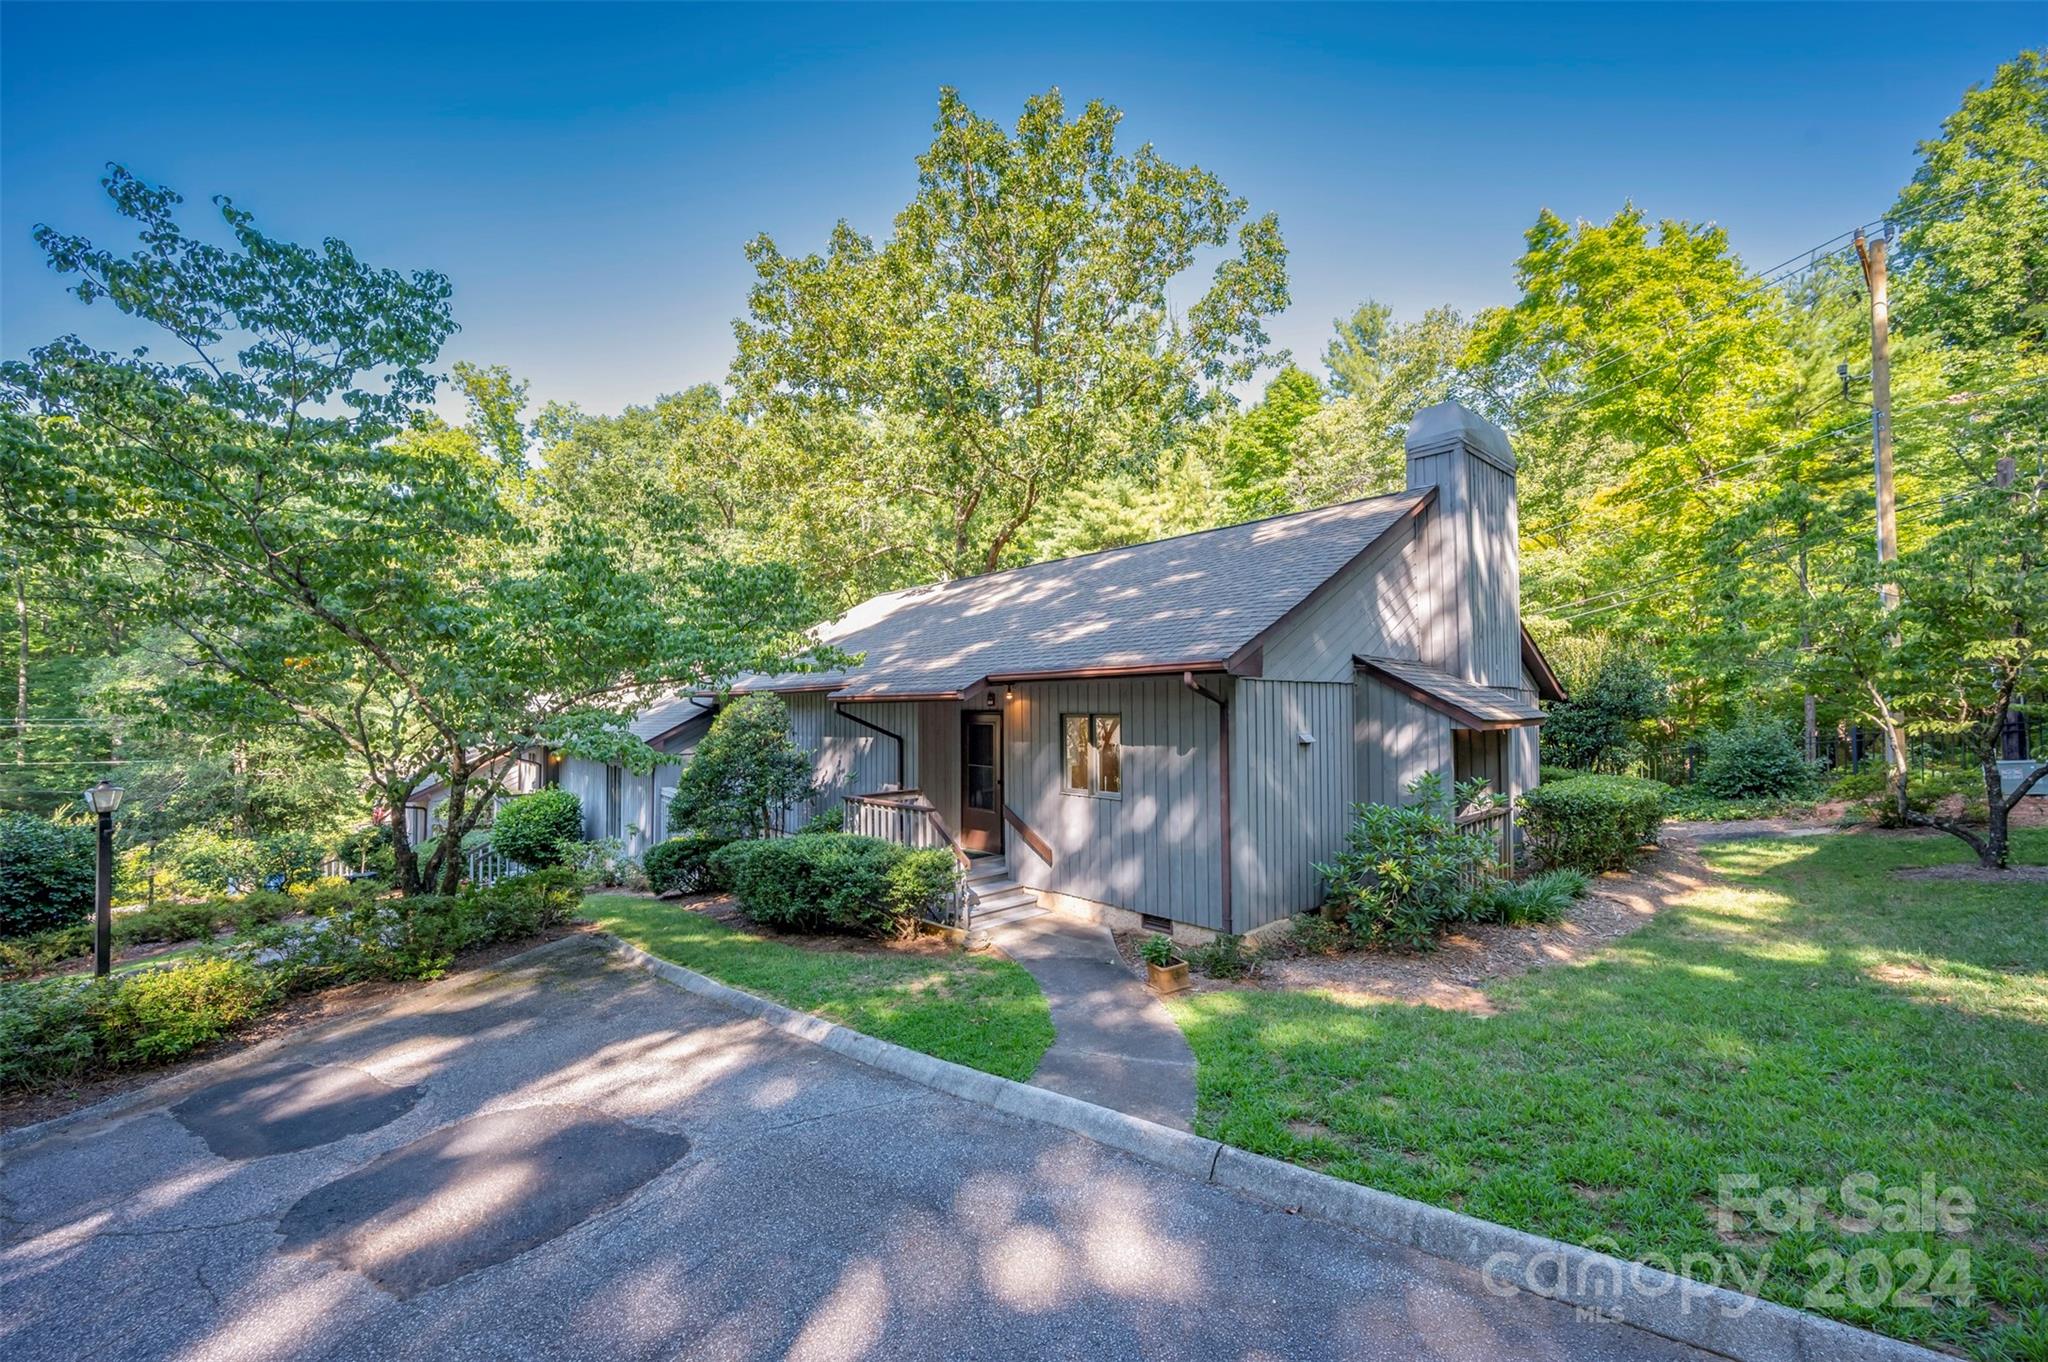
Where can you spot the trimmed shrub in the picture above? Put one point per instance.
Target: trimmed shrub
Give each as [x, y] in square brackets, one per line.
[832, 820]
[682, 865]
[1591, 823]
[538, 830]
[46, 873]
[1754, 759]
[416, 937]
[835, 883]
[159, 1014]
[1405, 871]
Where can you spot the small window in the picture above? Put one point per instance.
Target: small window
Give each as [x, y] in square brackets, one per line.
[1093, 754]
[614, 800]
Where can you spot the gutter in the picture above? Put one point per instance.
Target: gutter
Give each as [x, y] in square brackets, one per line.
[1223, 778]
[897, 738]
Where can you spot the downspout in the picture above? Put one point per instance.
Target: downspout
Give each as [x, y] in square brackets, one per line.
[1223, 777]
[897, 738]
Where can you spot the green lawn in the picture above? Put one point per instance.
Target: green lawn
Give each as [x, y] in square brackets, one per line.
[975, 1010]
[1806, 1018]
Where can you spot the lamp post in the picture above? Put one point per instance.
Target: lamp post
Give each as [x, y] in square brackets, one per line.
[103, 799]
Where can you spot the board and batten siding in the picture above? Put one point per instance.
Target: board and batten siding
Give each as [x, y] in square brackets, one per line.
[1291, 800]
[847, 758]
[1370, 609]
[1158, 849]
[1394, 741]
[1471, 566]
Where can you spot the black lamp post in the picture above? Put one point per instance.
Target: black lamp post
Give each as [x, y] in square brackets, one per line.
[103, 799]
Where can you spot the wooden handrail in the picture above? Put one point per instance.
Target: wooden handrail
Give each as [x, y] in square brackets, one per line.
[1031, 839]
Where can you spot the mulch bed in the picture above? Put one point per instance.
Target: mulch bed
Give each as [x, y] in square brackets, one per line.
[27, 1108]
[1454, 977]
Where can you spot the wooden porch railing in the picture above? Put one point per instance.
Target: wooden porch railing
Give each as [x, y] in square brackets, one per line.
[908, 819]
[1497, 825]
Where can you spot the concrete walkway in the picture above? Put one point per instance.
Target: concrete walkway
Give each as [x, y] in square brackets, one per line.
[1114, 1044]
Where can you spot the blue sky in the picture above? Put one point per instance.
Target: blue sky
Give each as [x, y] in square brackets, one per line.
[587, 174]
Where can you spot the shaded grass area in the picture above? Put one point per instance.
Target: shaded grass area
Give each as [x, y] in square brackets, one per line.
[1806, 1017]
[977, 1010]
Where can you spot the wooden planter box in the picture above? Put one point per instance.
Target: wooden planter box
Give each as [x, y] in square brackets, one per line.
[1165, 979]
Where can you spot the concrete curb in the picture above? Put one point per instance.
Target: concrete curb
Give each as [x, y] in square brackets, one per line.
[1675, 1307]
[176, 1085]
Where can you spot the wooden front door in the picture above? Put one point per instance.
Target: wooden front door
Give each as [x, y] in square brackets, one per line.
[981, 782]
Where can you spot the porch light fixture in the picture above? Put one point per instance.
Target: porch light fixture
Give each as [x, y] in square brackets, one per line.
[103, 799]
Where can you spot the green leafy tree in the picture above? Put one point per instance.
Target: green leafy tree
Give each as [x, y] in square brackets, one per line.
[333, 560]
[1381, 374]
[1605, 717]
[1974, 243]
[1011, 338]
[1258, 454]
[744, 773]
[1182, 496]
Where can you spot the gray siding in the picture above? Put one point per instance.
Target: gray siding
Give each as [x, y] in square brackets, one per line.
[1396, 741]
[1291, 800]
[1370, 609]
[1155, 850]
[585, 779]
[938, 757]
[851, 759]
[1482, 756]
[1473, 570]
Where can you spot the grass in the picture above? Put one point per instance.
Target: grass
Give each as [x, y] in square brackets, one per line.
[1806, 1017]
[976, 1010]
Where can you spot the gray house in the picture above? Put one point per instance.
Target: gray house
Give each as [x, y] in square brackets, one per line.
[616, 802]
[1174, 733]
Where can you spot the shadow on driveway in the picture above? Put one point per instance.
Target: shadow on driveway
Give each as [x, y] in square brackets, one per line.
[590, 1163]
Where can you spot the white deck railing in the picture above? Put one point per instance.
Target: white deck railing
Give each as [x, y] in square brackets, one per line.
[908, 819]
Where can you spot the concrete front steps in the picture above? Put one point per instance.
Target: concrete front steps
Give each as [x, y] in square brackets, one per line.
[996, 900]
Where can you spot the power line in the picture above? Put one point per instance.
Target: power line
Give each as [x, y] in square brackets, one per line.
[1773, 277]
[1954, 400]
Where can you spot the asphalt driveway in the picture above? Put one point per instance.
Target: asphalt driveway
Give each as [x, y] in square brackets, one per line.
[570, 1158]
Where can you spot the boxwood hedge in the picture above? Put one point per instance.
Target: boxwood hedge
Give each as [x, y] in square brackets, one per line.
[833, 882]
[1591, 822]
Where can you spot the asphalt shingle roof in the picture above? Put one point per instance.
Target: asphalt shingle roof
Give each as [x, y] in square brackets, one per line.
[1485, 703]
[1191, 599]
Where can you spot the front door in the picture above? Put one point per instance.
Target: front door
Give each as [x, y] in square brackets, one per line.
[981, 782]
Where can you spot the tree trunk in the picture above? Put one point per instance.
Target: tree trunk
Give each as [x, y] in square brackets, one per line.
[20, 663]
[1993, 855]
[404, 860]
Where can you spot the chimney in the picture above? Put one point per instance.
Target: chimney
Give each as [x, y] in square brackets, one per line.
[1471, 542]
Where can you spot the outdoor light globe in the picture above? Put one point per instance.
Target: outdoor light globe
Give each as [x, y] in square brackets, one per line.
[104, 797]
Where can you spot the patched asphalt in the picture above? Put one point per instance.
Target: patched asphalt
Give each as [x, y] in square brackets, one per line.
[595, 1164]
[283, 1108]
